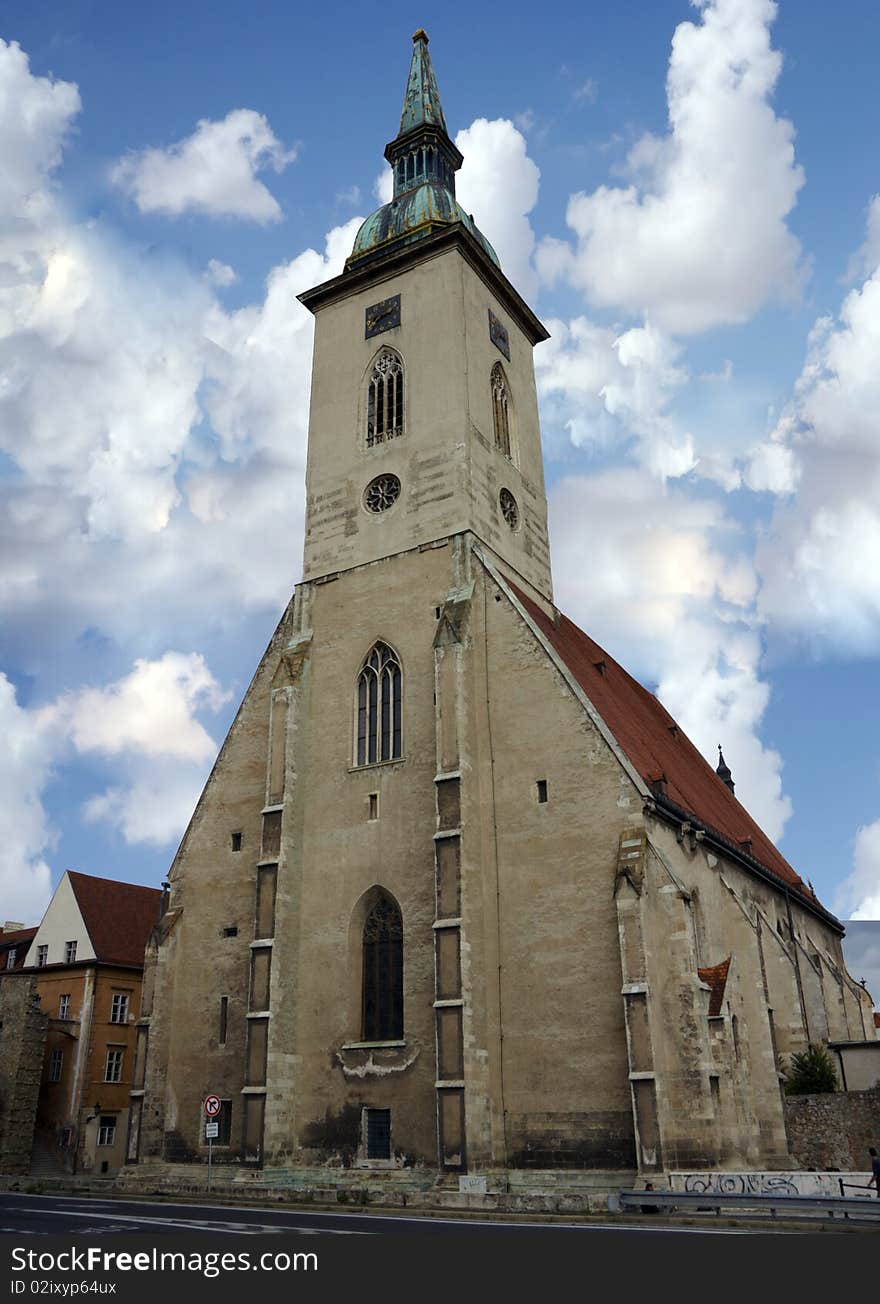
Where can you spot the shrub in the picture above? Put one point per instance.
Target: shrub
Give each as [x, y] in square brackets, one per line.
[810, 1072]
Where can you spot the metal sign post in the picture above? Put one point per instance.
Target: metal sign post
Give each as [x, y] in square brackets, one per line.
[212, 1127]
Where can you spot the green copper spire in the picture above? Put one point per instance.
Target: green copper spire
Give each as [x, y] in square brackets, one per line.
[424, 162]
[421, 103]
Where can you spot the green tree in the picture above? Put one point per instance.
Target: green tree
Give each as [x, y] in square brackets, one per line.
[810, 1072]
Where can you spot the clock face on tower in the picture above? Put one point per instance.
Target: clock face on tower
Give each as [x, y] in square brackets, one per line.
[498, 335]
[382, 316]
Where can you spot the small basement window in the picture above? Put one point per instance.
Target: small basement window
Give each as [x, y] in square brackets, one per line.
[231, 931]
[542, 790]
[236, 842]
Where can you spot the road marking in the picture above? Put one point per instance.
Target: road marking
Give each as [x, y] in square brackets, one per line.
[378, 1217]
[205, 1224]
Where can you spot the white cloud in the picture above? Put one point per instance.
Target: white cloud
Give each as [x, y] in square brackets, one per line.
[383, 186]
[113, 365]
[859, 895]
[25, 761]
[604, 387]
[149, 711]
[213, 171]
[773, 468]
[866, 259]
[221, 274]
[679, 242]
[655, 578]
[498, 184]
[146, 723]
[587, 92]
[155, 808]
[37, 115]
[821, 556]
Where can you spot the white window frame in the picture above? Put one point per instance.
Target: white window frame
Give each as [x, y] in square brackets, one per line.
[107, 1131]
[42, 955]
[11, 957]
[56, 1064]
[70, 952]
[119, 1005]
[116, 1054]
[64, 1005]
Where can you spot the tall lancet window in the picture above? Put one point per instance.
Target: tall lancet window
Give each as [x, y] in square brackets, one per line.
[385, 398]
[378, 707]
[383, 972]
[501, 409]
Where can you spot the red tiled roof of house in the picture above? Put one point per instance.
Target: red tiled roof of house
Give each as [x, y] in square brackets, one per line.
[877, 1018]
[21, 939]
[656, 747]
[118, 916]
[715, 977]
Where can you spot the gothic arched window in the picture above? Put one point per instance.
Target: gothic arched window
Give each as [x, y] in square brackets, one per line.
[378, 707]
[501, 409]
[383, 972]
[385, 398]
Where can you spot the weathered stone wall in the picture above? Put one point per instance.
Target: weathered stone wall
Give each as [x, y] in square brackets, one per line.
[833, 1130]
[23, 1029]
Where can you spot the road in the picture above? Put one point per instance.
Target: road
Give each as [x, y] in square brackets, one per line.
[90, 1216]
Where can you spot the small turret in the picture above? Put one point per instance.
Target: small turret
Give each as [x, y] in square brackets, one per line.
[723, 771]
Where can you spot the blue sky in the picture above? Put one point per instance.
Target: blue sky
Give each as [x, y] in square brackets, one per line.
[683, 192]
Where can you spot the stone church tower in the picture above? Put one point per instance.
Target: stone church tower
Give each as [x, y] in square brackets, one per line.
[459, 896]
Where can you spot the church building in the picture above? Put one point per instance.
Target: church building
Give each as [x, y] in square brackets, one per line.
[459, 896]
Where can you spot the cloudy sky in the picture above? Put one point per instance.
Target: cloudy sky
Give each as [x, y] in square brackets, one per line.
[687, 194]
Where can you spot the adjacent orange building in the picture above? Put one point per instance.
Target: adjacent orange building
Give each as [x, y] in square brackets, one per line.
[88, 954]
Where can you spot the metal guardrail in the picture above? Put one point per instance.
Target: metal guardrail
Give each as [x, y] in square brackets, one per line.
[851, 1208]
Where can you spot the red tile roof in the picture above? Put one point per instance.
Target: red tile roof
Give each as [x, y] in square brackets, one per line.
[118, 916]
[715, 978]
[656, 747]
[877, 1018]
[20, 939]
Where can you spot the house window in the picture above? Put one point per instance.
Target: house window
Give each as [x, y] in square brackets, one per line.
[377, 1133]
[383, 972]
[63, 1006]
[10, 957]
[113, 1065]
[69, 952]
[501, 409]
[385, 399]
[119, 1007]
[56, 1063]
[107, 1130]
[378, 707]
[542, 790]
[236, 842]
[42, 956]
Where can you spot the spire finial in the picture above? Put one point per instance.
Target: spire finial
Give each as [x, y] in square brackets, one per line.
[420, 35]
[723, 771]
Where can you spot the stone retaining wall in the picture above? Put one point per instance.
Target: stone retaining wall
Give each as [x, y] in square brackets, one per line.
[833, 1130]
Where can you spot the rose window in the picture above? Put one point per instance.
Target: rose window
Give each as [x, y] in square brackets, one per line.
[381, 493]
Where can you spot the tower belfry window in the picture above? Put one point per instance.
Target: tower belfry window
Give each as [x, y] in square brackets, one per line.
[385, 399]
[378, 707]
[501, 409]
